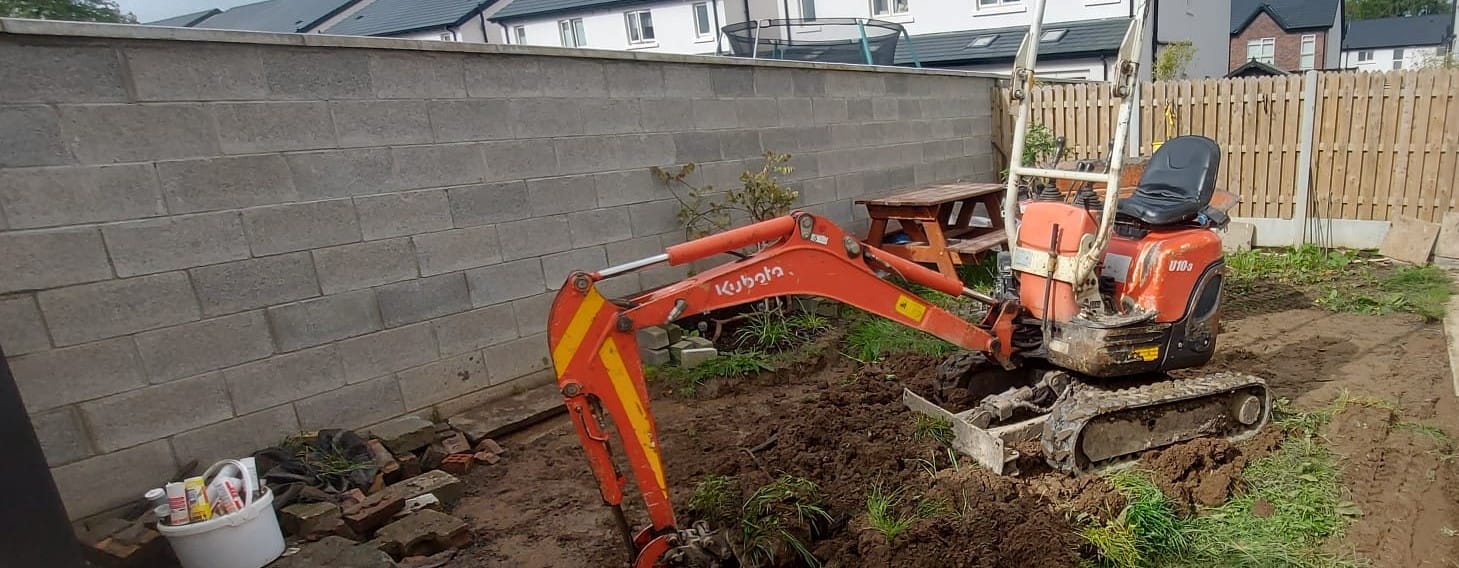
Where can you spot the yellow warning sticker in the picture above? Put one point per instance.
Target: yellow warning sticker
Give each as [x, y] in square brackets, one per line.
[910, 308]
[1149, 353]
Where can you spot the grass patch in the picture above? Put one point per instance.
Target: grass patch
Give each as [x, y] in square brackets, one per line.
[1147, 530]
[1340, 282]
[773, 522]
[736, 365]
[933, 428]
[887, 514]
[872, 338]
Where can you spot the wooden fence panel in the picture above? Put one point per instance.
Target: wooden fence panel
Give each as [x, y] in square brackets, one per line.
[1384, 144]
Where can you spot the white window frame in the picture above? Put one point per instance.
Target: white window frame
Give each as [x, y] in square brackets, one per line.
[708, 32]
[448, 36]
[991, 7]
[807, 14]
[891, 8]
[519, 34]
[633, 25]
[572, 29]
[1308, 59]
[1270, 43]
[1365, 55]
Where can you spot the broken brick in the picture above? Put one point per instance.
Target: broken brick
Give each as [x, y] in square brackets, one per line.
[374, 511]
[383, 459]
[351, 497]
[487, 458]
[423, 534]
[457, 464]
[490, 445]
[310, 519]
[439, 483]
[455, 443]
[432, 458]
[414, 504]
[409, 465]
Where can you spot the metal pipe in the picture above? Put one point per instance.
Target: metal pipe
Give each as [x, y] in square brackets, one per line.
[916, 61]
[1072, 175]
[755, 47]
[979, 296]
[631, 266]
[1023, 71]
[865, 47]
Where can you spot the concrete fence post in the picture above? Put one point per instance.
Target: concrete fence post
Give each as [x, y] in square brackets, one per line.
[1303, 189]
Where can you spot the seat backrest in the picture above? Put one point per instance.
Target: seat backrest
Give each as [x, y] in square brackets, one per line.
[1185, 165]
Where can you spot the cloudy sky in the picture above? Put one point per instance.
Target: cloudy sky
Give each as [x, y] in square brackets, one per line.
[150, 10]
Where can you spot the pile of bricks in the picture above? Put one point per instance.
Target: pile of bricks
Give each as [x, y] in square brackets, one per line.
[662, 345]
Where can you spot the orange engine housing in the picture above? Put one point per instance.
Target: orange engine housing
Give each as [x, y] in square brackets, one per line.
[1036, 232]
[1160, 271]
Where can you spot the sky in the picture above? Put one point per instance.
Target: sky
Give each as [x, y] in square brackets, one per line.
[151, 10]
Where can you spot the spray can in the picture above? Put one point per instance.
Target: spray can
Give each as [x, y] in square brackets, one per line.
[197, 500]
[177, 504]
[251, 474]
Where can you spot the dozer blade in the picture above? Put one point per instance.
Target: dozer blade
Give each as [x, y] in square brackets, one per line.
[990, 447]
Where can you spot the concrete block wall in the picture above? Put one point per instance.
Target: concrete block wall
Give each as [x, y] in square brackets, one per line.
[209, 240]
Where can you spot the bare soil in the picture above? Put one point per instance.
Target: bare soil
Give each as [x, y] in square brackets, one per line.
[842, 425]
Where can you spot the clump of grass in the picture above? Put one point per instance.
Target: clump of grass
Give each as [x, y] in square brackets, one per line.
[736, 365]
[716, 499]
[872, 338]
[1339, 282]
[1146, 530]
[937, 429]
[776, 517]
[883, 512]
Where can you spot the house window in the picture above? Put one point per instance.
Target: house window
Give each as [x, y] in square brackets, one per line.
[446, 36]
[888, 7]
[983, 41]
[997, 3]
[1365, 55]
[1263, 50]
[572, 32]
[702, 27]
[808, 9]
[521, 33]
[640, 26]
[1398, 58]
[1050, 36]
[1309, 51]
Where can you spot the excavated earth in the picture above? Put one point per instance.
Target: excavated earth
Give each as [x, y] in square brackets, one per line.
[842, 425]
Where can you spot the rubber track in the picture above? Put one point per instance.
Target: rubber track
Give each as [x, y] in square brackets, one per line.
[1069, 416]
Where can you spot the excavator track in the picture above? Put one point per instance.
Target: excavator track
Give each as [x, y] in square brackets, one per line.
[1094, 426]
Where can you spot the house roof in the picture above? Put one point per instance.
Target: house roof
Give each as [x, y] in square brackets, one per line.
[1082, 37]
[185, 20]
[1290, 14]
[525, 8]
[392, 17]
[1254, 68]
[282, 16]
[1398, 32]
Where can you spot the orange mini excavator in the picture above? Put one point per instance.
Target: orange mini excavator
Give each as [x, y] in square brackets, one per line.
[1097, 298]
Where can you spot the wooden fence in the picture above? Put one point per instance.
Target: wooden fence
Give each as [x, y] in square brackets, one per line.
[1384, 145]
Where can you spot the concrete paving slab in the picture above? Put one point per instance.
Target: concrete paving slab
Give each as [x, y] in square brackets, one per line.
[1410, 240]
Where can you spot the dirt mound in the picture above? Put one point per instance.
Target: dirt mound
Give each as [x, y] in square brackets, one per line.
[1199, 472]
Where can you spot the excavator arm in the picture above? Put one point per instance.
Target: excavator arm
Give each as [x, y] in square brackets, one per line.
[594, 344]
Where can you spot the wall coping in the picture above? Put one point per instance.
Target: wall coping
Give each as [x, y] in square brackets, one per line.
[24, 27]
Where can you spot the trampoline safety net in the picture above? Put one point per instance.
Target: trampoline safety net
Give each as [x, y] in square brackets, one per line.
[828, 40]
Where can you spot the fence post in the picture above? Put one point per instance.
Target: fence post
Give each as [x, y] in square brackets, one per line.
[1307, 130]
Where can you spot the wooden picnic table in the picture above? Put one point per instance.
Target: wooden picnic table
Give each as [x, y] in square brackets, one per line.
[938, 221]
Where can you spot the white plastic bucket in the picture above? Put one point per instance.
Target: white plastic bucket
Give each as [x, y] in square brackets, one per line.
[249, 538]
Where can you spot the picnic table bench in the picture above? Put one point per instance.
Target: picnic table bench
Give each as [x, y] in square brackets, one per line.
[938, 223]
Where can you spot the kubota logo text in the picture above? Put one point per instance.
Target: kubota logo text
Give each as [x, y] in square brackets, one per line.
[746, 282]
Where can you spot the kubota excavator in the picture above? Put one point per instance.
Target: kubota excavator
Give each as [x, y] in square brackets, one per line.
[1097, 298]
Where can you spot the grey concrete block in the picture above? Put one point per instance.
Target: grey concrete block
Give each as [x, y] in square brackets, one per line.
[352, 406]
[247, 128]
[203, 346]
[225, 183]
[827, 111]
[572, 78]
[301, 226]
[33, 135]
[740, 144]
[909, 109]
[489, 203]
[731, 81]
[50, 258]
[322, 320]
[127, 474]
[686, 81]
[696, 147]
[65, 376]
[255, 283]
[531, 313]
[386, 352]
[101, 134]
[655, 217]
[534, 237]
[362, 265]
[819, 190]
[396, 214]
[611, 153]
[422, 299]
[858, 110]
[758, 112]
[665, 115]
[471, 120]
[1448, 246]
[201, 72]
[118, 307]
[545, 118]
[342, 173]
[551, 196]
[556, 267]
[437, 166]
[774, 82]
[517, 358]
[850, 185]
[62, 437]
[475, 329]
[282, 379]
[315, 74]
[627, 187]
[883, 109]
[599, 226]
[519, 159]
[381, 123]
[21, 328]
[506, 281]
[133, 417]
[609, 116]
[633, 249]
[417, 75]
[634, 80]
[1238, 237]
[795, 112]
[694, 357]
[654, 357]
[61, 74]
[442, 380]
[237, 437]
[494, 77]
[715, 114]
[183, 241]
[1410, 240]
[46, 197]
[461, 249]
[653, 337]
[808, 83]
[405, 434]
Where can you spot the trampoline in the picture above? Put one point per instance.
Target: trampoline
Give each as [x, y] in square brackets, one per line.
[827, 40]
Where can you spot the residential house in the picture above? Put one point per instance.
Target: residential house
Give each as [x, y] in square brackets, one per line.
[1290, 35]
[1396, 43]
[444, 20]
[187, 20]
[279, 16]
[669, 26]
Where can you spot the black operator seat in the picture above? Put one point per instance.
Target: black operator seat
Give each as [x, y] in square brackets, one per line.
[1177, 184]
